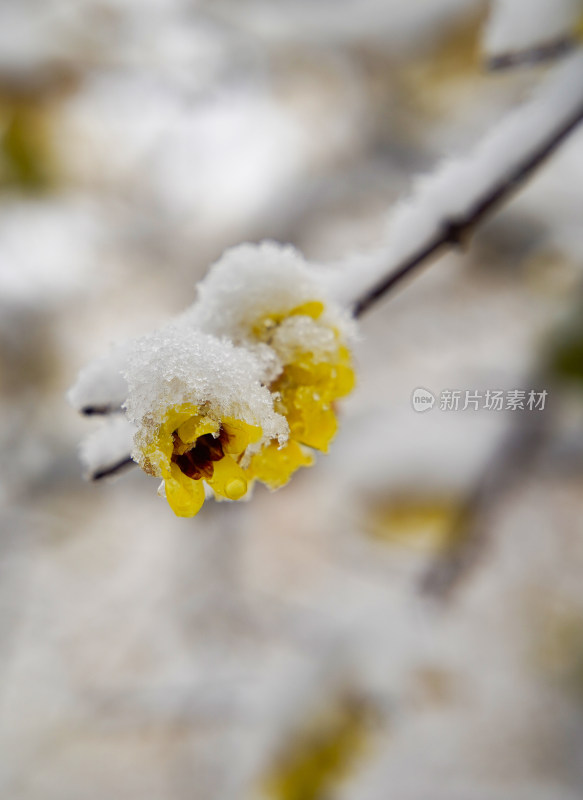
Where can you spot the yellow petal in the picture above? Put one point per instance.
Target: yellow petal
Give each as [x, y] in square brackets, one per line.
[310, 416]
[345, 377]
[159, 452]
[177, 415]
[239, 435]
[330, 379]
[313, 309]
[185, 496]
[228, 480]
[274, 466]
[196, 426]
[345, 380]
[307, 390]
[315, 425]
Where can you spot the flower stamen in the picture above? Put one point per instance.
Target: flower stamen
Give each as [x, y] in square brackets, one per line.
[197, 462]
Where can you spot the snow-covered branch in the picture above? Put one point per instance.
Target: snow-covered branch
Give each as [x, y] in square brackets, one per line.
[529, 31]
[448, 205]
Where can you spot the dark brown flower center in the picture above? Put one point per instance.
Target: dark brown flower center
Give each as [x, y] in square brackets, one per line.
[197, 462]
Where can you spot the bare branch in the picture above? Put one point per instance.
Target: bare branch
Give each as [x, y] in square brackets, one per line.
[102, 410]
[114, 469]
[454, 230]
[536, 55]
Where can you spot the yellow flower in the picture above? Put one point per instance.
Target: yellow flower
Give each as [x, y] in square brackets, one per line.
[307, 390]
[274, 465]
[240, 388]
[304, 393]
[190, 447]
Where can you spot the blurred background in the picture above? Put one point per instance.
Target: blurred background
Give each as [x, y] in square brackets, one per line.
[403, 620]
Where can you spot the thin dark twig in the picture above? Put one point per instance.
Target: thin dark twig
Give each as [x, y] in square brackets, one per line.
[455, 231]
[95, 411]
[114, 469]
[536, 55]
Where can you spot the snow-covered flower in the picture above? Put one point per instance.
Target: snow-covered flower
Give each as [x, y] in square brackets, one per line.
[269, 298]
[201, 408]
[240, 388]
[312, 378]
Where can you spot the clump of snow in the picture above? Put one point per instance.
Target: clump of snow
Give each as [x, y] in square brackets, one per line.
[300, 334]
[251, 283]
[522, 25]
[179, 364]
[100, 386]
[106, 447]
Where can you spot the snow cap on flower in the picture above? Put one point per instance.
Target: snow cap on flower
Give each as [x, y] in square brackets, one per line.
[179, 365]
[268, 299]
[242, 387]
[253, 283]
[201, 410]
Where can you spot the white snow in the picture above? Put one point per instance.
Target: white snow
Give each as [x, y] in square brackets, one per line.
[100, 386]
[108, 445]
[518, 25]
[300, 334]
[252, 282]
[178, 365]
